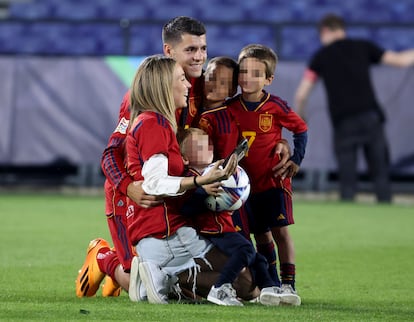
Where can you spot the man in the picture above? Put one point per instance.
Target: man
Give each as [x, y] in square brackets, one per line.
[184, 39]
[357, 119]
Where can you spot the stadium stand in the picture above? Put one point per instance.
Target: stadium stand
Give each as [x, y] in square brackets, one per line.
[126, 27]
[73, 29]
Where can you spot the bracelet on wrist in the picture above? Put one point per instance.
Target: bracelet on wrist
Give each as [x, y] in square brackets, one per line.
[195, 182]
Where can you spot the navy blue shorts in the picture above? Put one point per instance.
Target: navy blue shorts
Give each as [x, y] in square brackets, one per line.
[268, 209]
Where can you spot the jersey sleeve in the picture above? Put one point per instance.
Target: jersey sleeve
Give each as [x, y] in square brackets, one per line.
[315, 63]
[290, 120]
[205, 124]
[112, 161]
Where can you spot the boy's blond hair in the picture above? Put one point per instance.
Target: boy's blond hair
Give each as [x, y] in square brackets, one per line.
[184, 134]
[262, 53]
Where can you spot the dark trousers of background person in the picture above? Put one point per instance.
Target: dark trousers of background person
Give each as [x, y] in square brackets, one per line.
[364, 131]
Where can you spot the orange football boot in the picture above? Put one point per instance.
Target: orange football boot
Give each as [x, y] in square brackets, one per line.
[90, 276]
[110, 287]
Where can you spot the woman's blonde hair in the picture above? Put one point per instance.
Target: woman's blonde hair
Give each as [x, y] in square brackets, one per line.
[151, 89]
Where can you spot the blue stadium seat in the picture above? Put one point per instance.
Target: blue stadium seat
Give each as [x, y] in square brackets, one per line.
[9, 33]
[229, 41]
[77, 10]
[146, 40]
[222, 13]
[168, 11]
[113, 9]
[396, 38]
[30, 10]
[297, 41]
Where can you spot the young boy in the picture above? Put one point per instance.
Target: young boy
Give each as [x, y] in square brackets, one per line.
[218, 227]
[221, 77]
[220, 83]
[261, 118]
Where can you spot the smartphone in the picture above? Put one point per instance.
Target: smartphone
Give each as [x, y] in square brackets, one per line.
[240, 150]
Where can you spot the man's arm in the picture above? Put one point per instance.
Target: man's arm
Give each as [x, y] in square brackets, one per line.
[113, 165]
[398, 59]
[303, 91]
[282, 150]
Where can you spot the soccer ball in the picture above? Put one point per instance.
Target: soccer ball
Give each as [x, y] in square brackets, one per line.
[234, 193]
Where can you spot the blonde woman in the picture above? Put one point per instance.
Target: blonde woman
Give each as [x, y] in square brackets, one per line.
[165, 242]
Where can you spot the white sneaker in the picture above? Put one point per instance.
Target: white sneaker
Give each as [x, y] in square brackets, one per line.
[155, 282]
[255, 300]
[136, 289]
[288, 296]
[224, 295]
[270, 296]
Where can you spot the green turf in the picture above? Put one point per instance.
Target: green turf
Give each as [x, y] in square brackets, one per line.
[355, 262]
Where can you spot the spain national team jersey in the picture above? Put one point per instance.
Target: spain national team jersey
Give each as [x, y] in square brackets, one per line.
[205, 221]
[222, 129]
[189, 116]
[262, 127]
[152, 134]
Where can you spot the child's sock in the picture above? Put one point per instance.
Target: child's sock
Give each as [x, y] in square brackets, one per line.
[269, 252]
[287, 273]
[107, 261]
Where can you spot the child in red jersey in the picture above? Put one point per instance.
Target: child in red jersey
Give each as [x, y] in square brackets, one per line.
[220, 83]
[261, 117]
[218, 227]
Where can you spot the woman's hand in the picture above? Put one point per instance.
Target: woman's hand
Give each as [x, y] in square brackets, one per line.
[218, 173]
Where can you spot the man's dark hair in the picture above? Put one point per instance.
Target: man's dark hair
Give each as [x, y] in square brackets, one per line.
[331, 21]
[176, 27]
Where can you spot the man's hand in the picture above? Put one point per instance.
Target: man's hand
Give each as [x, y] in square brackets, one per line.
[290, 169]
[285, 167]
[138, 195]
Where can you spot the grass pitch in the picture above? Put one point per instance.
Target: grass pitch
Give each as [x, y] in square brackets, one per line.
[355, 262]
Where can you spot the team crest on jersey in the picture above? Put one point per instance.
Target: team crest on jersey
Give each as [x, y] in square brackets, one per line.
[192, 105]
[122, 126]
[265, 122]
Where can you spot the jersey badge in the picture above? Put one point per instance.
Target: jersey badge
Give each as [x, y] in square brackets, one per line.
[265, 122]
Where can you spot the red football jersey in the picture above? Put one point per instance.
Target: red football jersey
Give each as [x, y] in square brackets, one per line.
[152, 134]
[112, 162]
[262, 128]
[222, 129]
[189, 116]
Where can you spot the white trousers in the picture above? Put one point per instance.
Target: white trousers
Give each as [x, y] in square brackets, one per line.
[176, 253]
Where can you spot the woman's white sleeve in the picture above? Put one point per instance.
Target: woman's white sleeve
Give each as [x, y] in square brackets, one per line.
[156, 178]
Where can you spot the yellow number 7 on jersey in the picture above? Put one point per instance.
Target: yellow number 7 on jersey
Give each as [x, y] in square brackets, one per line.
[250, 136]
